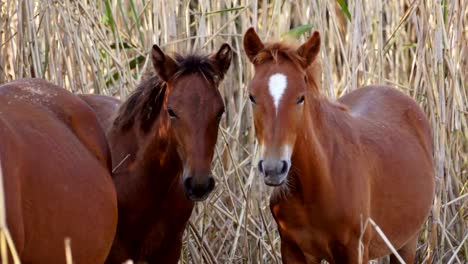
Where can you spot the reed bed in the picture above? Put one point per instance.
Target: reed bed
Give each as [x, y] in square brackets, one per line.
[419, 47]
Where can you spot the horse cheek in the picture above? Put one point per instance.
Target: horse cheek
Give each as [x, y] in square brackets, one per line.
[258, 127]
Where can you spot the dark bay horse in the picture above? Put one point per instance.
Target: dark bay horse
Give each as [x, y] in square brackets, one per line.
[337, 164]
[56, 171]
[162, 141]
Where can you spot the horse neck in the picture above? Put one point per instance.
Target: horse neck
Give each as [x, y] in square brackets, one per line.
[144, 164]
[315, 148]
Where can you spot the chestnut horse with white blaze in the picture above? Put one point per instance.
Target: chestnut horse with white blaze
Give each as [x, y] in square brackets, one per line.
[337, 164]
[162, 140]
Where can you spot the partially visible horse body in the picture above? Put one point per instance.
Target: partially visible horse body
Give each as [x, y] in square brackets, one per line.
[336, 165]
[56, 171]
[162, 140]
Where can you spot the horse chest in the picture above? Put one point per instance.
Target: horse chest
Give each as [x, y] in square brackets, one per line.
[160, 227]
[296, 227]
[312, 230]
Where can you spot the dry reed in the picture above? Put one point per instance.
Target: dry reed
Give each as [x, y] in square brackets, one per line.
[419, 47]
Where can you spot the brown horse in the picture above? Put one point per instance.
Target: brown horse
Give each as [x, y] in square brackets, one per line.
[162, 141]
[336, 164]
[56, 170]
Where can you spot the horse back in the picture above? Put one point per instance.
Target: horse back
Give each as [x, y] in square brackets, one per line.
[105, 107]
[392, 109]
[56, 166]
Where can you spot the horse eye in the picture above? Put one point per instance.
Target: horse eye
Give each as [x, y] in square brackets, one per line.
[252, 99]
[171, 113]
[300, 100]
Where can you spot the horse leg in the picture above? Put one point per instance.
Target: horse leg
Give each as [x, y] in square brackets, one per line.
[169, 252]
[291, 253]
[350, 254]
[407, 252]
[169, 256]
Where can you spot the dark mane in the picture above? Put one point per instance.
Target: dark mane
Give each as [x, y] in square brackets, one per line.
[194, 63]
[146, 101]
[287, 51]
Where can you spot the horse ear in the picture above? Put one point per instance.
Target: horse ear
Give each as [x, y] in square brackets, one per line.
[309, 50]
[252, 44]
[222, 59]
[164, 65]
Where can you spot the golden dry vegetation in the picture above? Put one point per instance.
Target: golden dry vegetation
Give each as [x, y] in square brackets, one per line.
[419, 47]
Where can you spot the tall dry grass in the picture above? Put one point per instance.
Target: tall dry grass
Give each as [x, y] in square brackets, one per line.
[419, 47]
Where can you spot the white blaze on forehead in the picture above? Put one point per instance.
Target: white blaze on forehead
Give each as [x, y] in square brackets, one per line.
[277, 85]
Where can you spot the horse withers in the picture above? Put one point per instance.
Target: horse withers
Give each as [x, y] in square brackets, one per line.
[162, 140]
[56, 166]
[335, 165]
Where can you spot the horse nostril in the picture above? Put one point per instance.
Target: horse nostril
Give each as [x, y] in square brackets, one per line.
[283, 167]
[197, 189]
[211, 184]
[260, 167]
[188, 184]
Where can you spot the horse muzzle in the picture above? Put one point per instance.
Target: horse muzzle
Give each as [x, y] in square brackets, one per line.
[274, 172]
[198, 189]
